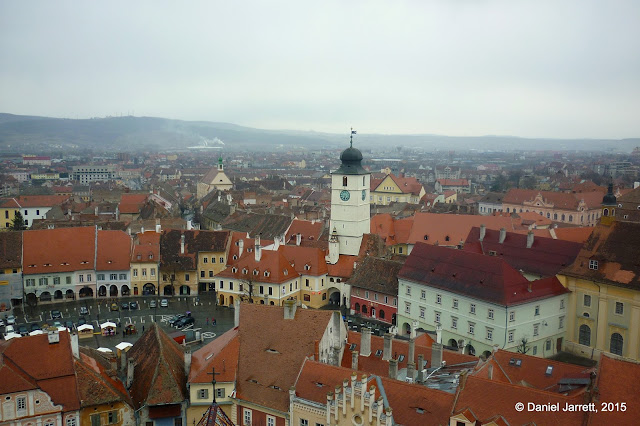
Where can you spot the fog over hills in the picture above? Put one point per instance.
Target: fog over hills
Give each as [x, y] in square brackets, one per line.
[30, 134]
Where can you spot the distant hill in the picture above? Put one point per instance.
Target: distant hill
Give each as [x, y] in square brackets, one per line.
[19, 133]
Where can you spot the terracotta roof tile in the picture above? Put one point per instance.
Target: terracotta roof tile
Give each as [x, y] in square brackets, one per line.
[114, 248]
[10, 249]
[309, 230]
[221, 353]
[618, 381]
[59, 250]
[26, 201]
[377, 274]
[440, 227]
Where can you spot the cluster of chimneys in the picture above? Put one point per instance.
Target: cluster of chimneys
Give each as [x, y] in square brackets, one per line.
[503, 235]
[414, 372]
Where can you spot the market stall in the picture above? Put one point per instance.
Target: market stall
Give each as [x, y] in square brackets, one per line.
[108, 328]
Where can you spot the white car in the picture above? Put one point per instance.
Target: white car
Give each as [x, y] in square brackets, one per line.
[11, 320]
[164, 303]
[1, 323]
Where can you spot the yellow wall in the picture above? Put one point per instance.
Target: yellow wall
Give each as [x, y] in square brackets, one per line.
[198, 406]
[125, 414]
[141, 280]
[6, 217]
[180, 280]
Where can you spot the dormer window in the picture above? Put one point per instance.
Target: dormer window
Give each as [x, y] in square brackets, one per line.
[245, 270]
[139, 257]
[150, 255]
[235, 257]
[593, 264]
[307, 267]
[285, 272]
[267, 273]
[256, 272]
[426, 237]
[234, 269]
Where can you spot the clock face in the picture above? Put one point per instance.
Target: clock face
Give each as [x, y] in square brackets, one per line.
[364, 194]
[344, 195]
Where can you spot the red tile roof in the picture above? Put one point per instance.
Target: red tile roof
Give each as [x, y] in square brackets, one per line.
[453, 182]
[132, 203]
[303, 257]
[309, 230]
[277, 267]
[97, 384]
[618, 381]
[438, 227]
[61, 250]
[560, 200]
[147, 247]
[114, 248]
[271, 357]
[221, 354]
[487, 278]
[26, 201]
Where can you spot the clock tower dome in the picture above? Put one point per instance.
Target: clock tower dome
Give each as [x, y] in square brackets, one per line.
[350, 213]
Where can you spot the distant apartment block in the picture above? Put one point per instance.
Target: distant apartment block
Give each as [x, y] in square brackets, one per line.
[32, 160]
[90, 173]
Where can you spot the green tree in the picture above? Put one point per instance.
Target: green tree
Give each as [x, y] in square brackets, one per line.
[18, 222]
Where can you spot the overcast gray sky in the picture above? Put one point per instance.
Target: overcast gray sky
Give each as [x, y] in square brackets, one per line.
[556, 68]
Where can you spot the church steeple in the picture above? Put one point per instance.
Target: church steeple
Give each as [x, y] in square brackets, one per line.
[220, 166]
[608, 207]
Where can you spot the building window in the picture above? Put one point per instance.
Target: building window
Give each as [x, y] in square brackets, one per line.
[536, 329]
[44, 281]
[123, 276]
[407, 307]
[114, 277]
[562, 304]
[202, 274]
[537, 310]
[439, 299]
[510, 336]
[472, 328]
[489, 334]
[21, 403]
[205, 260]
[472, 309]
[88, 277]
[395, 301]
[547, 345]
[220, 393]
[112, 417]
[71, 421]
[454, 323]
[535, 350]
[186, 277]
[203, 393]
[135, 274]
[31, 282]
[271, 421]
[68, 280]
[561, 322]
[423, 294]
[366, 294]
[512, 316]
[100, 277]
[584, 335]
[455, 303]
[593, 264]
[619, 308]
[304, 422]
[490, 314]
[408, 291]
[422, 309]
[437, 317]
[586, 301]
[616, 344]
[375, 296]
[81, 278]
[246, 418]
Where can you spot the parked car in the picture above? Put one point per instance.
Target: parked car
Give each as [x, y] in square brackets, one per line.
[84, 310]
[56, 314]
[185, 322]
[1, 323]
[133, 305]
[164, 303]
[114, 307]
[23, 330]
[35, 326]
[11, 320]
[9, 329]
[57, 324]
[81, 321]
[124, 306]
[69, 325]
[173, 320]
[153, 304]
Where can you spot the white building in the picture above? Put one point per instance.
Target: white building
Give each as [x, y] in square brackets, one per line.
[480, 301]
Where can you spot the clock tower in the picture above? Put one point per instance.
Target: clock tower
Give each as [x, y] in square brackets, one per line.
[350, 214]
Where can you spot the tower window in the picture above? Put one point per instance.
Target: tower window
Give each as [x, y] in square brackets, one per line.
[344, 181]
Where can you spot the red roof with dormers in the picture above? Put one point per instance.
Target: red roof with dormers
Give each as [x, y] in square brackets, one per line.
[59, 250]
[306, 260]
[273, 263]
[146, 247]
[488, 278]
[249, 245]
[114, 251]
[560, 200]
[308, 229]
[30, 201]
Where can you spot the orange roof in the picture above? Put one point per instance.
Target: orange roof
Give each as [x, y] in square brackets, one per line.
[560, 200]
[306, 257]
[59, 250]
[450, 229]
[114, 248]
[221, 354]
[309, 230]
[453, 182]
[618, 382]
[132, 203]
[273, 263]
[533, 217]
[25, 201]
[146, 247]
[408, 185]
[578, 235]
[343, 267]
[249, 243]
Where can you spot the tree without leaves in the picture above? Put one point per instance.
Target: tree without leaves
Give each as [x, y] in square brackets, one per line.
[523, 348]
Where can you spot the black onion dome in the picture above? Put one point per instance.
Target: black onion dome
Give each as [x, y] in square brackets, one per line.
[609, 199]
[351, 162]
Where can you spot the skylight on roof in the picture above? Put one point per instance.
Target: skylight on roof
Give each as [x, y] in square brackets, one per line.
[401, 358]
[549, 370]
[352, 346]
[379, 352]
[208, 357]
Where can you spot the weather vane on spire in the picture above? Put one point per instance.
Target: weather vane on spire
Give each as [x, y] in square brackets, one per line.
[353, 132]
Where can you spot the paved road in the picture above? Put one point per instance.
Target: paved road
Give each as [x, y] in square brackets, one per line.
[100, 312]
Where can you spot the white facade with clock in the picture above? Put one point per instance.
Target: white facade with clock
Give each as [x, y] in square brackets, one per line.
[350, 211]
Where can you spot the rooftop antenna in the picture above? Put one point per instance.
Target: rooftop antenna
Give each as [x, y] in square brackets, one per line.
[353, 132]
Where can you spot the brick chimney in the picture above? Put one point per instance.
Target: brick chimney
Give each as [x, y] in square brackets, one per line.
[289, 309]
[483, 230]
[393, 368]
[503, 235]
[354, 360]
[529, 239]
[436, 355]
[386, 352]
[257, 250]
[298, 238]
[181, 244]
[411, 357]
[130, 368]
[240, 247]
[75, 348]
[187, 361]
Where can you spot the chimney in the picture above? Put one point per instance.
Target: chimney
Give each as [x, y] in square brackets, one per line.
[483, 230]
[142, 229]
[53, 337]
[75, 349]
[411, 371]
[495, 348]
[436, 355]
[257, 250]
[420, 368]
[365, 341]
[113, 363]
[393, 368]
[189, 225]
[289, 309]
[529, 239]
[187, 361]
[490, 371]
[117, 213]
[438, 333]
[276, 243]
[123, 361]
[354, 360]
[158, 228]
[130, 368]
[95, 211]
[240, 247]
[298, 238]
[236, 312]
[386, 352]
[182, 244]
[503, 235]
[412, 351]
[354, 377]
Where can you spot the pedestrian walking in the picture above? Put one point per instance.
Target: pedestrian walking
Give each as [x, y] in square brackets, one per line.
[213, 321]
[143, 328]
[207, 320]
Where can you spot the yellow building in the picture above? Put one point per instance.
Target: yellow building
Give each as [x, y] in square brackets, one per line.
[209, 264]
[604, 305]
[8, 209]
[395, 189]
[145, 258]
